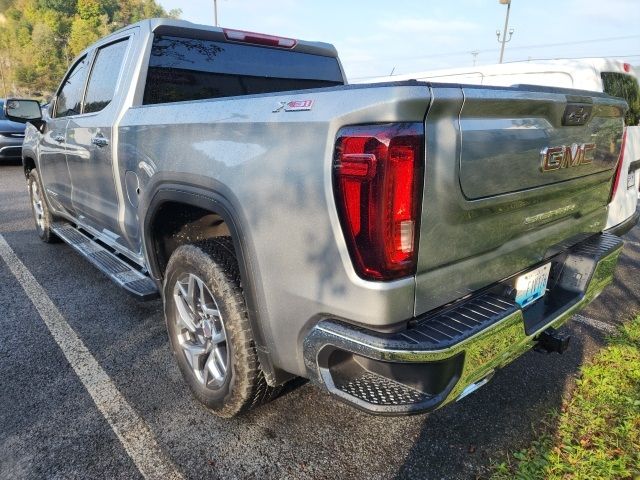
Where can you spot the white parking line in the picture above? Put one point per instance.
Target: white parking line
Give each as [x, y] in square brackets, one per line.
[635, 244]
[131, 429]
[597, 324]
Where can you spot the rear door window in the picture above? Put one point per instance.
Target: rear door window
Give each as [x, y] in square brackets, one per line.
[69, 100]
[104, 76]
[624, 86]
[183, 69]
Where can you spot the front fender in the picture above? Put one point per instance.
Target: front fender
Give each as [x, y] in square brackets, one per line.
[30, 147]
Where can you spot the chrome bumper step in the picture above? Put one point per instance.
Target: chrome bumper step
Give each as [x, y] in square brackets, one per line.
[445, 355]
[133, 281]
[378, 390]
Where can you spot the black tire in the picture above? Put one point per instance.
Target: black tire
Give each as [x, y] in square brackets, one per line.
[43, 218]
[244, 384]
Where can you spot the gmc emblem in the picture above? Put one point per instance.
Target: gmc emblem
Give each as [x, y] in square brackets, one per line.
[555, 158]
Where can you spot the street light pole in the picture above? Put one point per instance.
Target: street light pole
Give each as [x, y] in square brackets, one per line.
[215, 12]
[506, 25]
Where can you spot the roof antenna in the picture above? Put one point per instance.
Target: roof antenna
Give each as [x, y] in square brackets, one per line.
[392, 70]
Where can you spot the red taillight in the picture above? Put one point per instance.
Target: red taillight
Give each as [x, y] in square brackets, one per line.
[616, 180]
[378, 175]
[259, 38]
[627, 67]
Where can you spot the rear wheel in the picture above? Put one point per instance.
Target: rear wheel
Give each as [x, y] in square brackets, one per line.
[41, 214]
[209, 328]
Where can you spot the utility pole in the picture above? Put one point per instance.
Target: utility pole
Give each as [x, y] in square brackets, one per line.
[475, 54]
[215, 12]
[504, 32]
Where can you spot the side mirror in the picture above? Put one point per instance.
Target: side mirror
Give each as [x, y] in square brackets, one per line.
[22, 110]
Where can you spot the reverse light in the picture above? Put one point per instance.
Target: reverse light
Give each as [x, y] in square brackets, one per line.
[377, 178]
[259, 38]
[616, 180]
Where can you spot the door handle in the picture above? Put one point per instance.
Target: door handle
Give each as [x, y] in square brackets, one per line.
[59, 138]
[99, 141]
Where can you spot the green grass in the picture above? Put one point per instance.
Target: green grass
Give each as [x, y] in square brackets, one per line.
[596, 435]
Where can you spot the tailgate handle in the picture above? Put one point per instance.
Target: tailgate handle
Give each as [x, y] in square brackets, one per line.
[576, 114]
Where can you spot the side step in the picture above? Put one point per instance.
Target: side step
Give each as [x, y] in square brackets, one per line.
[133, 281]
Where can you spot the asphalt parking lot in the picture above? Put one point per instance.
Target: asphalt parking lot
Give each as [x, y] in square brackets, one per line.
[52, 427]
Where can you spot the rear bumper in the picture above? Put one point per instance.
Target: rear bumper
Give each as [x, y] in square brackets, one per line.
[625, 226]
[444, 356]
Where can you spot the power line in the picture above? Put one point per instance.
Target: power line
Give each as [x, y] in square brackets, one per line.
[530, 60]
[575, 58]
[521, 47]
[577, 42]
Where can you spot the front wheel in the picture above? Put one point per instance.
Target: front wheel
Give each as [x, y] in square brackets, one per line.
[41, 214]
[209, 328]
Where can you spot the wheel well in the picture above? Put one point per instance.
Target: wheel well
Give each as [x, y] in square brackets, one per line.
[173, 223]
[176, 224]
[28, 164]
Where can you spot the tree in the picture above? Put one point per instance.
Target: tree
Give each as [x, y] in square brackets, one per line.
[89, 24]
[39, 38]
[67, 7]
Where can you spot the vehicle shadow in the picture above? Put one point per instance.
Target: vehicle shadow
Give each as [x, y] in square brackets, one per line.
[459, 441]
[463, 439]
[304, 433]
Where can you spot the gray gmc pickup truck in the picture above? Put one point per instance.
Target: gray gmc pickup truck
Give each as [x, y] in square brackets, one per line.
[395, 243]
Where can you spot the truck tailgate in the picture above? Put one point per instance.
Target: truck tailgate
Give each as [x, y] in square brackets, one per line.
[504, 134]
[512, 178]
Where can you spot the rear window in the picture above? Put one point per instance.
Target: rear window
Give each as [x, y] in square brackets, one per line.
[193, 69]
[624, 86]
[2, 117]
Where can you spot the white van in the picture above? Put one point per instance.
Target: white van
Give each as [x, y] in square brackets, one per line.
[600, 74]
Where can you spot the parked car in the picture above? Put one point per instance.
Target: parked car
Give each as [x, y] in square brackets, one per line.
[11, 137]
[606, 75]
[395, 243]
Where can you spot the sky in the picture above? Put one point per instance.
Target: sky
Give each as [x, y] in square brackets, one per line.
[377, 37]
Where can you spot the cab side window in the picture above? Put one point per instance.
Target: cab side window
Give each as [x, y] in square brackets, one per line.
[69, 100]
[104, 76]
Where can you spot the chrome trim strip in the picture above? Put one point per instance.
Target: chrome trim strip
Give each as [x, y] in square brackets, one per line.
[12, 147]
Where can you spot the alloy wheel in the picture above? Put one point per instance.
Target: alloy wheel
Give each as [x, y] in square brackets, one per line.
[200, 331]
[38, 209]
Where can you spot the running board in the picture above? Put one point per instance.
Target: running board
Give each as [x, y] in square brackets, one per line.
[126, 276]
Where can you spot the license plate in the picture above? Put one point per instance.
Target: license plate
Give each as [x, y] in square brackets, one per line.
[631, 180]
[532, 285]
